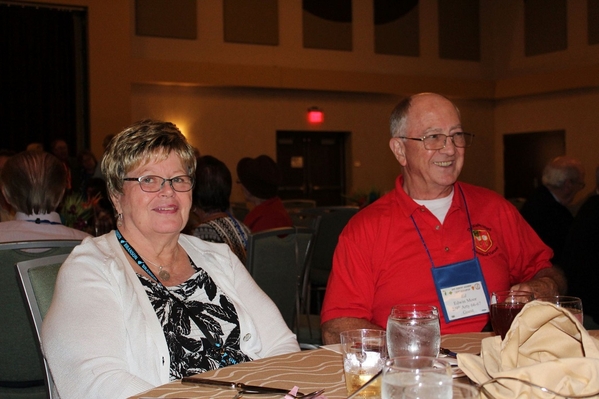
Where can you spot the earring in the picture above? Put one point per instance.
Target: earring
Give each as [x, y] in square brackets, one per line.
[119, 220]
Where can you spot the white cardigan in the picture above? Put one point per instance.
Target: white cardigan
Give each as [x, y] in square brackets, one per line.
[101, 336]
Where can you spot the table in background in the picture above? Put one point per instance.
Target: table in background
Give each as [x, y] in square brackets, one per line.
[309, 370]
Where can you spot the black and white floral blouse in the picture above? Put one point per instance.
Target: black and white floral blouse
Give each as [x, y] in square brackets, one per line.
[190, 351]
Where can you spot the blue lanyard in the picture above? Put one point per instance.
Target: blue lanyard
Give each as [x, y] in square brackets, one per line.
[140, 262]
[225, 358]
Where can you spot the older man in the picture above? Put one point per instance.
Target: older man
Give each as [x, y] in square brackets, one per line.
[432, 239]
[547, 209]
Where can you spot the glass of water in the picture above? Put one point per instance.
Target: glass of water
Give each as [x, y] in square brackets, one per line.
[441, 390]
[405, 374]
[413, 330]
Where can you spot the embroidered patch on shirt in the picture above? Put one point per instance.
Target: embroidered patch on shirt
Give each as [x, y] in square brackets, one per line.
[482, 239]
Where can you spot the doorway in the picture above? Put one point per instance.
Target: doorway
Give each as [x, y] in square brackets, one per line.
[43, 75]
[525, 156]
[313, 166]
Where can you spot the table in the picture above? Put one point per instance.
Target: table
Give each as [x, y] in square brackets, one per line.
[309, 370]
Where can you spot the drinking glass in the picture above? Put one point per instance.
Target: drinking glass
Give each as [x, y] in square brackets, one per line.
[413, 330]
[505, 305]
[405, 371]
[364, 355]
[441, 390]
[572, 303]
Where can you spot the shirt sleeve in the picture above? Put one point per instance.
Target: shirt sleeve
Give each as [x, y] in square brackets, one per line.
[85, 335]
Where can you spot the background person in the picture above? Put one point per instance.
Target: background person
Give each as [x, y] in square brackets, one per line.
[88, 163]
[387, 252]
[211, 205]
[35, 147]
[34, 183]
[144, 304]
[547, 209]
[104, 216]
[581, 257]
[260, 178]
[60, 149]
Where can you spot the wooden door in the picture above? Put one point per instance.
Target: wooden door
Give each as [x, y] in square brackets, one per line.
[313, 165]
[525, 156]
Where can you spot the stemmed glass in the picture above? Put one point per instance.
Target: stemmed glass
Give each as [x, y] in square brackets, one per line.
[572, 303]
[505, 305]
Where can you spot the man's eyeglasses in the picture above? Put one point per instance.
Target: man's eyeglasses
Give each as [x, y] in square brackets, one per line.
[152, 184]
[438, 141]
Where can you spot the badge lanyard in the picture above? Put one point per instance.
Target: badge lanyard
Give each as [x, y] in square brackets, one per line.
[225, 358]
[460, 286]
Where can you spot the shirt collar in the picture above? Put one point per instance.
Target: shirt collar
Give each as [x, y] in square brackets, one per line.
[53, 217]
[409, 206]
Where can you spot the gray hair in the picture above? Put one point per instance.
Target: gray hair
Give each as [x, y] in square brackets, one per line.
[560, 170]
[399, 115]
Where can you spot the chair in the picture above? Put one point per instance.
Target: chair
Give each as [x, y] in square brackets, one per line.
[38, 278]
[276, 259]
[295, 205]
[303, 219]
[331, 222]
[21, 364]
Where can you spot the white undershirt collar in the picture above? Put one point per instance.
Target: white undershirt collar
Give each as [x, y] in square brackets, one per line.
[438, 207]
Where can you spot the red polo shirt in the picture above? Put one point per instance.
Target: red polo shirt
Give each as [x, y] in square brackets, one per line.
[380, 260]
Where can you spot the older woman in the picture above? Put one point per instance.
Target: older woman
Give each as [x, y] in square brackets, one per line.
[144, 304]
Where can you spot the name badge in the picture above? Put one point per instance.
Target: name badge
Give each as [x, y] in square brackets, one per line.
[461, 290]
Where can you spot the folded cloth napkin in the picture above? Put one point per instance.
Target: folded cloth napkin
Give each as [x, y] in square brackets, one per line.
[547, 346]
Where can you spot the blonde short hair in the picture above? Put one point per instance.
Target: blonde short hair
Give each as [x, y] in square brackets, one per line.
[143, 142]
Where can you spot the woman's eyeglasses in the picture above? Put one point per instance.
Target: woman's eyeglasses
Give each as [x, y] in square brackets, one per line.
[152, 184]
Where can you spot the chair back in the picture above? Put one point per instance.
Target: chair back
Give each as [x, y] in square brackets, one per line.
[294, 205]
[38, 278]
[304, 219]
[276, 259]
[21, 363]
[331, 222]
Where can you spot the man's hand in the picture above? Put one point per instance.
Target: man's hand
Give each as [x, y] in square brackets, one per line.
[332, 328]
[547, 282]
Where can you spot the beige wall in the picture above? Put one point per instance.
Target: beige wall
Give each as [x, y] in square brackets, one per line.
[231, 98]
[576, 112]
[233, 123]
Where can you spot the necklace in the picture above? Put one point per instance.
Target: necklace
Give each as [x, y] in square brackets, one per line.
[162, 274]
